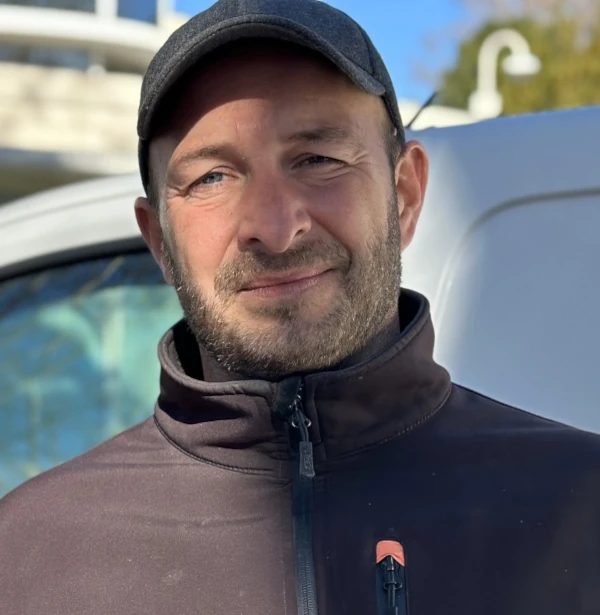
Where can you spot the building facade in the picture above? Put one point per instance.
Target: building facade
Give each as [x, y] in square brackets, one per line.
[70, 76]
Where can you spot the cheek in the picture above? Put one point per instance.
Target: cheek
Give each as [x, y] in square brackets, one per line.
[352, 212]
[202, 240]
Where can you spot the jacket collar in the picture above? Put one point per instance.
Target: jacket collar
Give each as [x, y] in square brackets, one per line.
[231, 424]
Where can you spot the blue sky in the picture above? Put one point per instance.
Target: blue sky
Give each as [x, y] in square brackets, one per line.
[401, 30]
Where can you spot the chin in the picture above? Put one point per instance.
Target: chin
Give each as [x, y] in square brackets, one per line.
[286, 313]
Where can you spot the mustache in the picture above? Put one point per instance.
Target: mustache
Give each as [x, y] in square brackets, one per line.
[235, 275]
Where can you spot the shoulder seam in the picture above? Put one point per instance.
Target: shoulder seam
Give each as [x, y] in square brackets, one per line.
[209, 462]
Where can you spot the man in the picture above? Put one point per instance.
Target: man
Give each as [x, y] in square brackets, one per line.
[306, 454]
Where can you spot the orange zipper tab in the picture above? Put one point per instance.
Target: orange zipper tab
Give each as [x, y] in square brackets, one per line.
[387, 548]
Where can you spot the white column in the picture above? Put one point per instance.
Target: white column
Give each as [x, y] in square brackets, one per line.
[106, 8]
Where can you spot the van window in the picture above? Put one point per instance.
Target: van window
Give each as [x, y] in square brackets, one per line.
[518, 319]
[78, 358]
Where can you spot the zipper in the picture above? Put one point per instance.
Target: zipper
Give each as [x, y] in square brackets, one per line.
[291, 408]
[392, 597]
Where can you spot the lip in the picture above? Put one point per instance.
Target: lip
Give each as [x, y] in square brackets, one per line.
[288, 283]
[285, 278]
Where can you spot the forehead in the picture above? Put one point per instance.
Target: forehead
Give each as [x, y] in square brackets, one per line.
[282, 74]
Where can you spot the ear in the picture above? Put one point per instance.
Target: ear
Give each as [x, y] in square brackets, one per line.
[148, 220]
[412, 173]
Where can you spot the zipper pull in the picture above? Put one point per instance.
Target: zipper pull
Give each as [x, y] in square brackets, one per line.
[289, 406]
[391, 564]
[391, 583]
[300, 421]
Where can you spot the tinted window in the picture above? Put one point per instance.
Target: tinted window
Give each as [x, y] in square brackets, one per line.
[142, 10]
[77, 358]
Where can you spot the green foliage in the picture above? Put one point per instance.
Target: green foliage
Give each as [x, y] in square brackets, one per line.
[570, 75]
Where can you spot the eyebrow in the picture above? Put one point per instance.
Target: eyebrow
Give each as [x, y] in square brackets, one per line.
[219, 150]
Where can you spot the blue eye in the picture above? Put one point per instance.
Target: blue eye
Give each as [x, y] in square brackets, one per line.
[212, 178]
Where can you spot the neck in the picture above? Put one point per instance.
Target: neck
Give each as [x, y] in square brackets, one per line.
[213, 371]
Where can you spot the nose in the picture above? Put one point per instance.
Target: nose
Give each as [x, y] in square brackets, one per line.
[274, 214]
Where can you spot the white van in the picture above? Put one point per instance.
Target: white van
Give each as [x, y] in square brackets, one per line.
[507, 251]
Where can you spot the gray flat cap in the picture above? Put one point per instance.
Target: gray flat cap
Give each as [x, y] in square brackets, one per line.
[310, 23]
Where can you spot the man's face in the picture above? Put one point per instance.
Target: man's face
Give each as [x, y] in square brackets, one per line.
[281, 220]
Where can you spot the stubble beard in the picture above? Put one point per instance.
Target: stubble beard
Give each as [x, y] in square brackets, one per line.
[367, 301]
